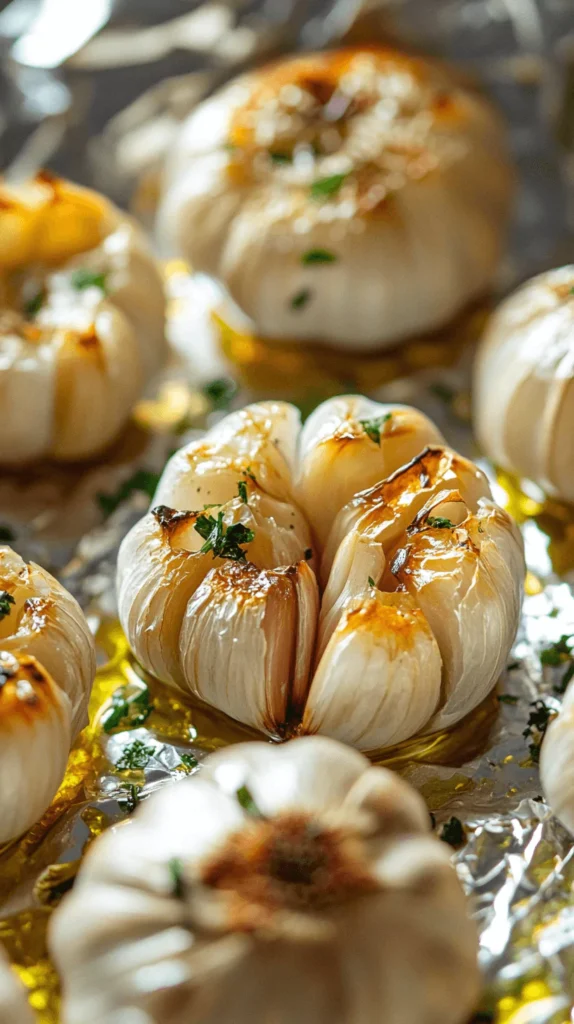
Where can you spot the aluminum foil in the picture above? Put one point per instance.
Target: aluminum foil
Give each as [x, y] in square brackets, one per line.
[97, 91]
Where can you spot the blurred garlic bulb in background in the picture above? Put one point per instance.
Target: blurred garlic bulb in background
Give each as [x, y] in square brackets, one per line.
[557, 762]
[14, 1008]
[47, 667]
[524, 383]
[421, 574]
[81, 320]
[295, 884]
[326, 190]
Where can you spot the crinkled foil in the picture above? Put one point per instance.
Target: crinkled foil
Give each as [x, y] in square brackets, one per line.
[96, 90]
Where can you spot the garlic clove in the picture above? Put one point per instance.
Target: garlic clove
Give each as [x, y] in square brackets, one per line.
[351, 443]
[247, 640]
[467, 580]
[27, 384]
[557, 762]
[35, 715]
[258, 441]
[14, 1008]
[358, 569]
[378, 681]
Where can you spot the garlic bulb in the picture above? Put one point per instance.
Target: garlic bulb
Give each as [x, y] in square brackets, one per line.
[420, 574]
[14, 1008]
[293, 884]
[81, 320]
[47, 666]
[557, 763]
[325, 191]
[524, 383]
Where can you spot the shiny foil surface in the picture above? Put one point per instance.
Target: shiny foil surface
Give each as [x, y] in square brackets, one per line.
[100, 102]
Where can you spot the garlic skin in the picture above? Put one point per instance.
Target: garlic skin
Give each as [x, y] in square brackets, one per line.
[556, 762]
[524, 383]
[47, 667]
[379, 160]
[420, 574]
[336, 905]
[14, 1008]
[81, 321]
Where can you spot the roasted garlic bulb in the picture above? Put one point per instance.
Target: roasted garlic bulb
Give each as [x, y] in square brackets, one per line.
[524, 383]
[47, 667]
[353, 578]
[81, 320]
[354, 197]
[14, 1008]
[295, 884]
[557, 762]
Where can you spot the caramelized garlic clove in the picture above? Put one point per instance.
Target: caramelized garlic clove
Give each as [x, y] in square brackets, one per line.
[378, 680]
[358, 569]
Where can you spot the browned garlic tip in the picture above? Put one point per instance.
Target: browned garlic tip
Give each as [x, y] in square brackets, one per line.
[81, 320]
[421, 574]
[47, 666]
[294, 883]
[524, 383]
[342, 183]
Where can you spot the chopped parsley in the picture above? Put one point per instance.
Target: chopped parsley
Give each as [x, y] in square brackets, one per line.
[131, 798]
[279, 157]
[34, 305]
[245, 799]
[301, 298]
[6, 600]
[189, 762]
[453, 832]
[560, 653]
[538, 721]
[83, 278]
[439, 523]
[175, 868]
[220, 392]
[142, 481]
[6, 534]
[135, 757]
[371, 581]
[322, 188]
[507, 698]
[224, 542]
[373, 427]
[127, 712]
[242, 491]
[318, 256]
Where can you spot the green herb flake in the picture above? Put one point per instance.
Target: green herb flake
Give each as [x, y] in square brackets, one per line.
[301, 298]
[6, 600]
[279, 157]
[35, 304]
[318, 256]
[371, 582]
[453, 832]
[322, 188]
[245, 800]
[142, 481]
[507, 698]
[135, 757]
[443, 391]
[439, 523]
[189, 762]
[558, 652]
[560, 686]
[175, 868]
[222, 541]
[127, 712]
[242, 491]
[220, 392]
[6, 534]
[83, 278]
[373, 428]
[131, 798]
[538, 721]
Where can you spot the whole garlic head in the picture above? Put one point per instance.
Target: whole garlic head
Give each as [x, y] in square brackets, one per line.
[295, 884]
[420, 574]
[47, 667]
[326, 190]
[81, 320]
[557, 762]
[14, 1008]
[524, 383]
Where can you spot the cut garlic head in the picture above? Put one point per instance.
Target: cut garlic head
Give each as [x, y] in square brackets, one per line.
[325, 191]
[222, 602]
[294, 883]
[14, 1008]
[47, 666]
[524, 383]
[81, 321]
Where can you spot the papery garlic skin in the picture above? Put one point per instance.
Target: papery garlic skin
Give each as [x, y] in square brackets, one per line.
[14, 1008]
[378, 159]
[47, 667]
[524, 383]
[391, 941]
[557, 762]
[81, 321]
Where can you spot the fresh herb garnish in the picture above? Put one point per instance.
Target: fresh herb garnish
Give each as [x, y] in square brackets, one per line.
[280, 158]
[308, 554]
[560, 653]
[189, 761]
[324, 187]
[135, 757]
[439, 523]
[373, 427]
[452, 832]
[83, 278]
[245, 799]
[35, 304]
[371, 581]
[538, 721]
[318, 256]
[6, 600]
[224, 542]
[131, 798]
[242, 491]
[143, 480]
[220, 392]
[300, 299]
[6, 534]
[175, 868]
[127, 711]
[507, 698]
